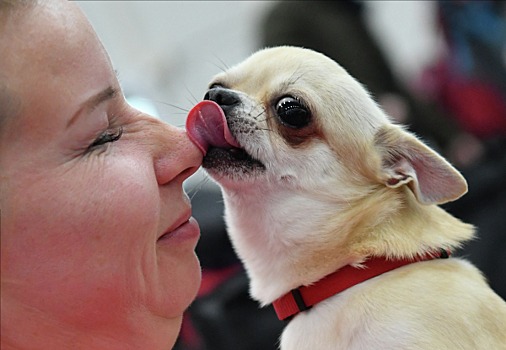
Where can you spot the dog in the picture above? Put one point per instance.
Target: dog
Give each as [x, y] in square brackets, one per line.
[333, 210]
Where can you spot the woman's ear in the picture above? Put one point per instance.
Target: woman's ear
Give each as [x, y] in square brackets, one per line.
[405, 160]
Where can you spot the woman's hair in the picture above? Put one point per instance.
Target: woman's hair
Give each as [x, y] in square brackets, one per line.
[10, 7]
[12, 4]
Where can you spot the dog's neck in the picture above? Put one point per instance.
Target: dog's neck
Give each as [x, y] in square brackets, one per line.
[305, 297]
[287, 239]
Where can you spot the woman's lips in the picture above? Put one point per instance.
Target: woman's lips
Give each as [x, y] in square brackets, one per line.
[188, 230]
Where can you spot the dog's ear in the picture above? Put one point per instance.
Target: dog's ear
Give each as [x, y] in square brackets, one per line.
[407, 161]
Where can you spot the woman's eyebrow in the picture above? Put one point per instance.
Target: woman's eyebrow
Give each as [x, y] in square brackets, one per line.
[92, 103]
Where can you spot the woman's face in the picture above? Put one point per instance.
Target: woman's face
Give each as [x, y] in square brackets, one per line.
[88, 187]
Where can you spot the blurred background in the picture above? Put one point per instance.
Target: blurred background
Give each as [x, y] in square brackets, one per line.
[167, 51]
[437, 66]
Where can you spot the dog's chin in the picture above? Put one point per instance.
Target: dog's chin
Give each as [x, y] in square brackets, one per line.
[232, 165]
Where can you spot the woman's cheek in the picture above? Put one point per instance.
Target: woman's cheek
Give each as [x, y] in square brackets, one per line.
[126, 208]
[85, 231]
[118, 200]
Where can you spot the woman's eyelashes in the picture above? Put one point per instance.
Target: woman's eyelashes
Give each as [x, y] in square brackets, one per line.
[106, 137]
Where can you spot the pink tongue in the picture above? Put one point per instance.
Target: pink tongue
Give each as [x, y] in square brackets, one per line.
[207, 126]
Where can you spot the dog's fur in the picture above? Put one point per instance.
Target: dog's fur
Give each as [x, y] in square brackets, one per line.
[347, 186]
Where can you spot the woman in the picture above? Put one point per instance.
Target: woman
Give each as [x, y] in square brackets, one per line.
[97, 239]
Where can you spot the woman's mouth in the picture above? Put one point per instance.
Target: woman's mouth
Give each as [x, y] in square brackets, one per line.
[187, 230]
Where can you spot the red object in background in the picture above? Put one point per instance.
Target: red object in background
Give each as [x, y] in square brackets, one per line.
[477, 106]
[211, 279]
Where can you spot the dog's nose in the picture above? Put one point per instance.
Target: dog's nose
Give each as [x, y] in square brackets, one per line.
[225, 98]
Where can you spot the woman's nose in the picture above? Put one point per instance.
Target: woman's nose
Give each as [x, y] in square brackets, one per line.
[176, 158]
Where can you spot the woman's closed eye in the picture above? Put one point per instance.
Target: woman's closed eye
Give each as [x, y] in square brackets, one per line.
[106, 137]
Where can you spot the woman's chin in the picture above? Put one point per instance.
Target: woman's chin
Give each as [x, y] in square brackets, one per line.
[179, 294]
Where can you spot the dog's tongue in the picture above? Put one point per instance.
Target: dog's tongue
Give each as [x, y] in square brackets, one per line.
[207, 126]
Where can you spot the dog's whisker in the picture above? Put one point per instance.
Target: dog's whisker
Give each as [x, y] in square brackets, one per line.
[224, 66]
[179, 113]
[198, 187]
[300, 71]
[218, 66]
[266, 118]
[190, 101]
[172, 105]
[194, 99]
[264, 111]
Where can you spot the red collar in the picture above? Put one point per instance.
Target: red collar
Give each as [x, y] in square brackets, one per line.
[303, 298]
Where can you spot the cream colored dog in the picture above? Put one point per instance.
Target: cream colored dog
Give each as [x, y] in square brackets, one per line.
[317, 179]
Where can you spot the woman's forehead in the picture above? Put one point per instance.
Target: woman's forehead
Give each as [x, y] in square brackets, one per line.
[53, 44]
[54, 57]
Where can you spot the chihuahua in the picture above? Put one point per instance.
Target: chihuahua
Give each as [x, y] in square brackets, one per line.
[333, 209]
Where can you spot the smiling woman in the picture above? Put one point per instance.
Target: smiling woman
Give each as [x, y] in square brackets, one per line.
[97, 236]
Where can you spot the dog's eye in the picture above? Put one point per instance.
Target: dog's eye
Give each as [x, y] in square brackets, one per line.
[292, 113]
